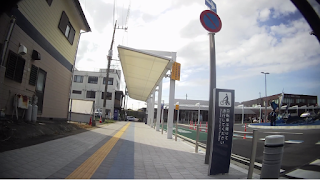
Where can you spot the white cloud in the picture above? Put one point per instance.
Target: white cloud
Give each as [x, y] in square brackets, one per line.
[242, 44]
[264, 15]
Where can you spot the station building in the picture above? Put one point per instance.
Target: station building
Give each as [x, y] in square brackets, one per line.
[188, 110]
[298, 103]
[288, 99]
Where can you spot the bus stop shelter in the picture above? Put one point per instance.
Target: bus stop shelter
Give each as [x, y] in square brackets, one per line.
[143, 71]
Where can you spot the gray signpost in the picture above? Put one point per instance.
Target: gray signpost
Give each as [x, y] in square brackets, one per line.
[221, 136]
[212, 23]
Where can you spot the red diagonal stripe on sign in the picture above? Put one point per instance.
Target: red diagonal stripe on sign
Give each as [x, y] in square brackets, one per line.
[211, 20]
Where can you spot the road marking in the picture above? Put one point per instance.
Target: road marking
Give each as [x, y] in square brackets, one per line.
[182, 131]
[294, 141]
[283, 133]
[237, 135]
[316, 162]
[247, 160]
[300, 173]
[89, 167]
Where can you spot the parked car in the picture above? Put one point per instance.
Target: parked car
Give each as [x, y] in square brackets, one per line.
[98, 112]
[132, 118]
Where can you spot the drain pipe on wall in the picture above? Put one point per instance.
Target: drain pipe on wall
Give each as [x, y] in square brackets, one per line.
[6, 42]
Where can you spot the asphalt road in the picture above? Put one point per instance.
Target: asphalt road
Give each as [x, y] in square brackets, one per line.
[301, 148]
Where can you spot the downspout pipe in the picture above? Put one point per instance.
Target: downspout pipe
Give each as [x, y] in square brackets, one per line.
[7, 40]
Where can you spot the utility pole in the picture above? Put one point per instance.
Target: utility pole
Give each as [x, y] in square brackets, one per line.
[107, 76]
[186, 96]
[108, 69]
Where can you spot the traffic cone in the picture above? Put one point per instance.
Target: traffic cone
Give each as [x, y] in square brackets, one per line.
[100, 120]
[245, 130]
[90, 122]
[206, 127]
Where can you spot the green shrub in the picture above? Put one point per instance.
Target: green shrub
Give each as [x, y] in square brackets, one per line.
[108, 121]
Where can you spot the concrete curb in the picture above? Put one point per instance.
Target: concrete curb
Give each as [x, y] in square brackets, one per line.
[285, 127]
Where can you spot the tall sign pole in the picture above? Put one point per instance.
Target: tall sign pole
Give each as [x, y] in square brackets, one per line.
[212, 86]
[212, 23]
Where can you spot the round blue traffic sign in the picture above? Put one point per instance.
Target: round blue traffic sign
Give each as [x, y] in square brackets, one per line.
[210, 21]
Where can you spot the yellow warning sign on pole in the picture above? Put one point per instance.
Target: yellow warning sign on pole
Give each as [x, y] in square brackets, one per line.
[175, 71]
[177, 106]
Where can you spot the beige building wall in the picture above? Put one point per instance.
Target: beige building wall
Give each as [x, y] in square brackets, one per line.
[58, 80]
[39, 13]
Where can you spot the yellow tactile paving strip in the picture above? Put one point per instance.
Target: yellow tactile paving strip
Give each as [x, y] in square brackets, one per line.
[89, 167]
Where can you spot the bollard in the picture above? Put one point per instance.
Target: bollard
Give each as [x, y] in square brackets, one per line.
[253, 153]
[206, 127]
[272, 157]
[245, 130]
[197, 139]
[176, 134]
[162, 126]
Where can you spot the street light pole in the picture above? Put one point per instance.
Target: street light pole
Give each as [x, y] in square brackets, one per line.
[266, 104]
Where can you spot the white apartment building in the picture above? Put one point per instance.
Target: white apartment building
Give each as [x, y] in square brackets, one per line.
[88, 85]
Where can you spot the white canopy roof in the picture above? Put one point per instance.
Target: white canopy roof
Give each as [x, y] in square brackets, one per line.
[142, 71]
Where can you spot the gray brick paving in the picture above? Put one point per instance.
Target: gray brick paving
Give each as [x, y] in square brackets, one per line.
[140, 153]
[45, 159]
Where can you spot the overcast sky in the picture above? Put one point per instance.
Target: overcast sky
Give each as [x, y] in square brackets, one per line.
[265, 35]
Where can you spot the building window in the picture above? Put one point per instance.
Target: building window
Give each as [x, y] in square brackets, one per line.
[78, 79]
[91, 94]
[49, 2]
[93, 79]
[109, 96]
[33, 75]
[15, 67]
[66, 28]
[312, 101]
[300, 100]
[76, 92]
[288, 100]
[110, 81]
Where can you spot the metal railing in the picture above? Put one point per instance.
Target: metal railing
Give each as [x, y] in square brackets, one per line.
[253, 149]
